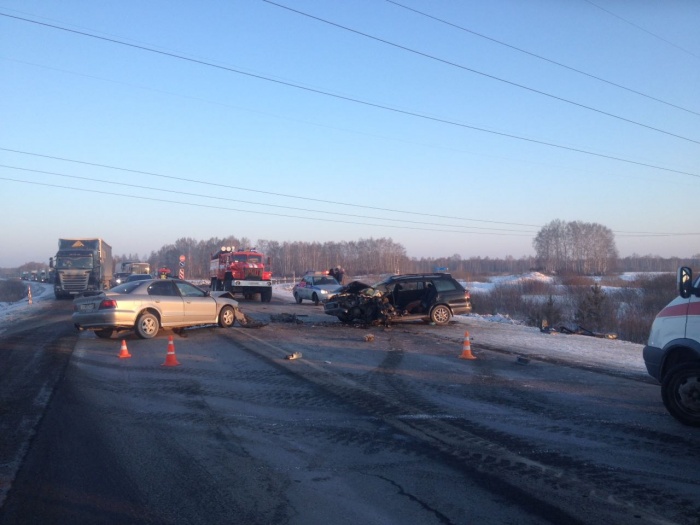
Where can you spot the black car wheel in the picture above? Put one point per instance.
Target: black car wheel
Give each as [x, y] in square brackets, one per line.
[297, 298]
[680, 391]
[147, 326]
[226, 317]
[440, 314]
[314, 298]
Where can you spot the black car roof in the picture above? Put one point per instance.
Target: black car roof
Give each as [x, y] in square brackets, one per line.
[409, 276]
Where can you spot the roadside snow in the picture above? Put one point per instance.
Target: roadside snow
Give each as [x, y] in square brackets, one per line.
[41, 293]
[620, 357]
[499, 331]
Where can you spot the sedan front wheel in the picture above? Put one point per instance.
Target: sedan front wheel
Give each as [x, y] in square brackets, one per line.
[226, 317]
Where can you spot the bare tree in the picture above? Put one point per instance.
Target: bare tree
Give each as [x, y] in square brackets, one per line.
[583, 247]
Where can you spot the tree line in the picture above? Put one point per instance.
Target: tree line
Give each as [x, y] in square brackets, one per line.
[561, 247]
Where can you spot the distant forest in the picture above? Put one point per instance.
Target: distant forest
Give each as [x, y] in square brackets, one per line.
[364, 257]
[377, 256]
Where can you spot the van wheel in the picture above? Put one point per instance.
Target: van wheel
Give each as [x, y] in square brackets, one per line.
[680, 391]
[440, 314]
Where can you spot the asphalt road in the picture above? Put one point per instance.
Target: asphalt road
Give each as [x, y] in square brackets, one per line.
[395, 429]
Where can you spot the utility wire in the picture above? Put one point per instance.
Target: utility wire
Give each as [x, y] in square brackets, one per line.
[413, 213]
[359, 101]
[227, 186]
[492, 77]
[334, 213]
[540, 57]
[154, 199]
[642, 29]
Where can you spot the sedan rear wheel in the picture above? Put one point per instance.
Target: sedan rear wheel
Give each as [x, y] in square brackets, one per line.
[147, 326]
[440, 314]
[226, 317]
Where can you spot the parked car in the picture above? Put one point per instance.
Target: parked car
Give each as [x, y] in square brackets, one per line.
[120, 278]
[316, 287]
[434, 297]
[146, 306]
[138, 277]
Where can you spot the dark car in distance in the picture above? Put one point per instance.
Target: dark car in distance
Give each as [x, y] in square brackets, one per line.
[433, 297]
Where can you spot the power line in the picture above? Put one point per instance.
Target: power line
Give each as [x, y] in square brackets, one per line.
[195, 181]
[154, 199]
[275, 194]
[642, 29]
[477, 72]
[363, 102]
[540, 57]
[216, 197]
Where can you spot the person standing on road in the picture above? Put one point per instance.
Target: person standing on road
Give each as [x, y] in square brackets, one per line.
[339, 274]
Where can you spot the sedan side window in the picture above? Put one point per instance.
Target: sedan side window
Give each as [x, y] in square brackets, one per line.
[189, 290]
[163, 288]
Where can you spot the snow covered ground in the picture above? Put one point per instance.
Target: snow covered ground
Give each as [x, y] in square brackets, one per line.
[619, 357]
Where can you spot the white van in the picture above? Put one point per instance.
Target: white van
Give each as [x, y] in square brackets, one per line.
[672, 354]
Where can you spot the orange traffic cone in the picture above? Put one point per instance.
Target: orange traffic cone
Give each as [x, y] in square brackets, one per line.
[467, 348]
[124, 351]
[170, 359]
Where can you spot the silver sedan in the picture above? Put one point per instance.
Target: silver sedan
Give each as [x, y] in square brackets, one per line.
[149, 305]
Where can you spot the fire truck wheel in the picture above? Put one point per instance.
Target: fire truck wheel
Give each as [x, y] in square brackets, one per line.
[226, 317]
[266, 295]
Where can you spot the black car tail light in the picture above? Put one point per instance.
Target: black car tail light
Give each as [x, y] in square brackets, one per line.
[107, 304]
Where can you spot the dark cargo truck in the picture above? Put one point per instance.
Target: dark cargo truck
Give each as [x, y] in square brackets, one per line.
[81, 265]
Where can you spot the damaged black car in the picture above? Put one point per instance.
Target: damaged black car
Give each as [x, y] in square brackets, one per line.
[434, 297]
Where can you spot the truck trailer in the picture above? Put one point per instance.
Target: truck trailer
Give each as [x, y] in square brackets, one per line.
[81, 265]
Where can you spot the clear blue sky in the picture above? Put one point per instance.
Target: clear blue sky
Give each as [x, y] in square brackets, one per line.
[346, 120]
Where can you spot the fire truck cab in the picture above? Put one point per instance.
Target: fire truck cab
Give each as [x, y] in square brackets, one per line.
[245, 272]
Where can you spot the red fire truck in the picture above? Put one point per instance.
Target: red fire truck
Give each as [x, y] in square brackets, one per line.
[241, 271]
